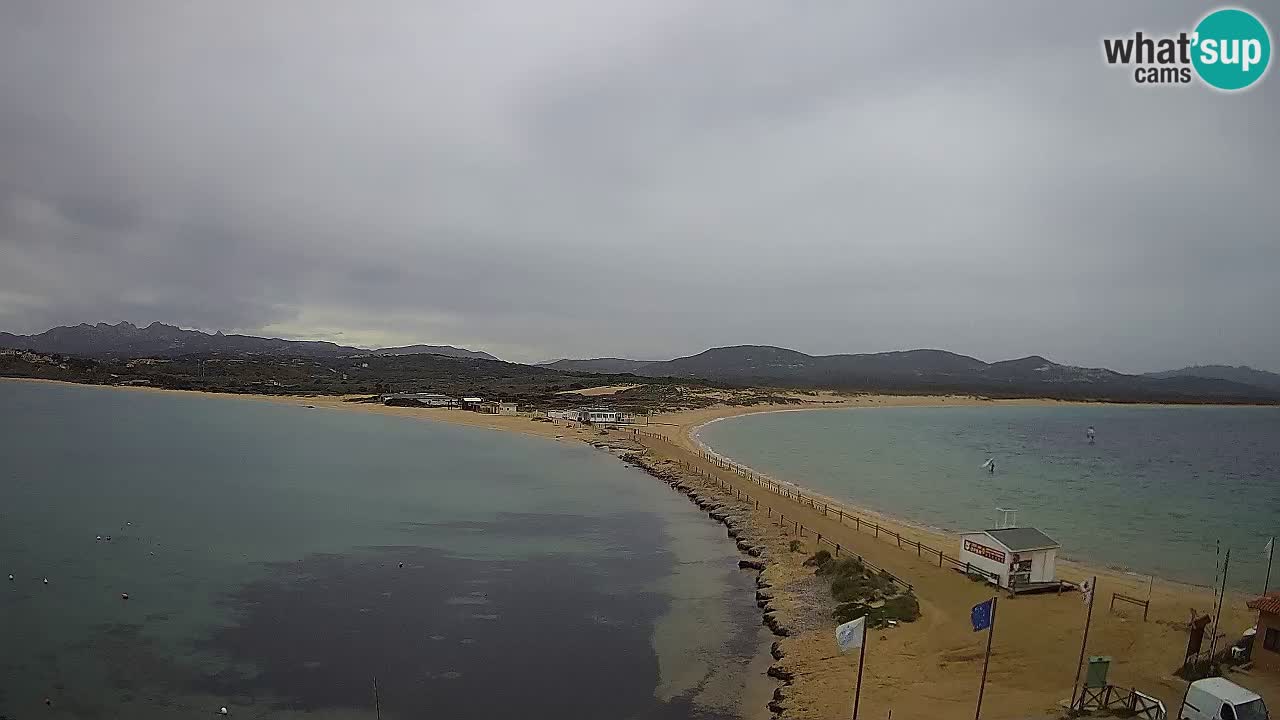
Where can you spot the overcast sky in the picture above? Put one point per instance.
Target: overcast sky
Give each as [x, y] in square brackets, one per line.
[644, 179]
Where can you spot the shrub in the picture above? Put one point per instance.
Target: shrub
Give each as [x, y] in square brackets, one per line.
[903, 607]
[818, 559]
[842, 567]
[797, 546]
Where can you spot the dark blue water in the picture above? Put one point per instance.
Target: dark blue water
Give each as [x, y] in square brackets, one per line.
[1155, 493]
[277, 559]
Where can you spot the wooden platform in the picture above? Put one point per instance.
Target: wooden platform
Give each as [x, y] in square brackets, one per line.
[1057, 586]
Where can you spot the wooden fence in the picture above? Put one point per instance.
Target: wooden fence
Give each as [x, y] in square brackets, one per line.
[834, 512]
[1146, 605]
[1112, 697]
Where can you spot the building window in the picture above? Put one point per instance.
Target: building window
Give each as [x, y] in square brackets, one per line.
[1271, 641]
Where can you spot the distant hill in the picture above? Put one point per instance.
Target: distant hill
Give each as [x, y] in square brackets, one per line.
[601, 365]
[926, 371]
[446, 350]
[126, 340]
[1241, 374]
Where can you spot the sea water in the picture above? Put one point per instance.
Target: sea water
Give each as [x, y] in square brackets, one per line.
[282, 560]
[1162, 489]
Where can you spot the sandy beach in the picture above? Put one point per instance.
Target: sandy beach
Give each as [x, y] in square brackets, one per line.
[929, 668]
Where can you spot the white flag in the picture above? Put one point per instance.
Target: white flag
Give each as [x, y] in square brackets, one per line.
[849, 635]
[1267, 550]
[1086, 591]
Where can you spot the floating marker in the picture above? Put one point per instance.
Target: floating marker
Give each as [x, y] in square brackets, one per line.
[124, 596]
[46, 581]
[401, 564]
[99, 538]
[11, 576]
[222, 710]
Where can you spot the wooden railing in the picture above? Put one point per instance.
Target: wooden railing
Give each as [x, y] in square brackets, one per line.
[1129, 599]
[835, 512]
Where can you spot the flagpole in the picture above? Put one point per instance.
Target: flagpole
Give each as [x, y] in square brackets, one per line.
[991, 631]
[1266, 584]
[862, 654]
[1222, 600]
[1088, 618]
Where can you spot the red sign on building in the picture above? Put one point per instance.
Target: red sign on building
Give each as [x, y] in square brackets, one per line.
[984, 551]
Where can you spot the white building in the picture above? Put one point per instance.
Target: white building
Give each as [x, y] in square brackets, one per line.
[493, 407]
[423, 399]
[1021, 555]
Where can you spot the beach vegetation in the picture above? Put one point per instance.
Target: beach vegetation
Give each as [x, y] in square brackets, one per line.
[797, 546]
[818, 559]
[901, 608]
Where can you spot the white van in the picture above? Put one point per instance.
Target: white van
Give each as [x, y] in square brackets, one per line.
[1220, 699]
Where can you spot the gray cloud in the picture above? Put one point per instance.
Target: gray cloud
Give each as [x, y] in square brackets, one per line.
[641, 179]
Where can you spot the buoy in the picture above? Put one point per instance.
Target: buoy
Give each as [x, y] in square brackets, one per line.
[11, 576]
[401, 564]
[108, 538]
[47, 701]
[46, 581]
[124, 596]
[222, 710]
[99, 538]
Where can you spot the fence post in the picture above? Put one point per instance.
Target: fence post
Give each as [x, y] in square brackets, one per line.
[939, 558]
[837, 549]
[877, 529]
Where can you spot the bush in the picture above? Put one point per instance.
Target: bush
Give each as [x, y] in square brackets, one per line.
[818, 559]
[797, 546]
[843, 567]
[848, 588]
[903, 607]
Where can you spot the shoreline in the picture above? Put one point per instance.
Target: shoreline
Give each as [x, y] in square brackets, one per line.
[927, 663]
[938, 536]
[687, 423]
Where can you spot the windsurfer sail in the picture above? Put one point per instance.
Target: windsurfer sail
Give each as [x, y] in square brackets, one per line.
[990, 465]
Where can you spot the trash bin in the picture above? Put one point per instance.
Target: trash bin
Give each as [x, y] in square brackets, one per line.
[1096, 676]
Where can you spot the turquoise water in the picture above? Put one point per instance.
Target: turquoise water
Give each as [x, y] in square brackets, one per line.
[1155, 493]
[277, 559]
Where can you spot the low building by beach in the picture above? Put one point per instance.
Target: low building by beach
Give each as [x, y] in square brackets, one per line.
[493, 407]
[1016, 558]
[424, 399]
[599, 415]
[471, 403]
[1266, 642]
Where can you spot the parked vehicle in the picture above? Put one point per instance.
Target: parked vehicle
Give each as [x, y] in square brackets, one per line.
[1220, 699]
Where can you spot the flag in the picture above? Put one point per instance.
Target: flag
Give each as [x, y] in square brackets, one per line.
[849, 635]
[980, 615]
[1086, 591]
[1267, 550]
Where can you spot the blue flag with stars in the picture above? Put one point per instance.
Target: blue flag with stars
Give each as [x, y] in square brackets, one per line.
[980, 615]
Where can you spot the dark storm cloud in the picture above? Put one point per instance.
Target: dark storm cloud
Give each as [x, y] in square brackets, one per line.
[643, 179]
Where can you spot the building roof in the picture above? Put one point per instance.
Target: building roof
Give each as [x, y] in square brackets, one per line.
[1269, 603]
[1226, 690]
[472, 399]
[1023, 539]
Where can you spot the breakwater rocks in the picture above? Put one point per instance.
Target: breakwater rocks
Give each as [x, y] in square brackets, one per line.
[735, 513]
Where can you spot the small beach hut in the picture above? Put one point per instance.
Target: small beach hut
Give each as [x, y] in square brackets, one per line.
[1021, 558]
[1266, 642]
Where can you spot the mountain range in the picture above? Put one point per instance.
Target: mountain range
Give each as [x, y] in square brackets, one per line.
[913, 371]
[938, 371]
[126, 340]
